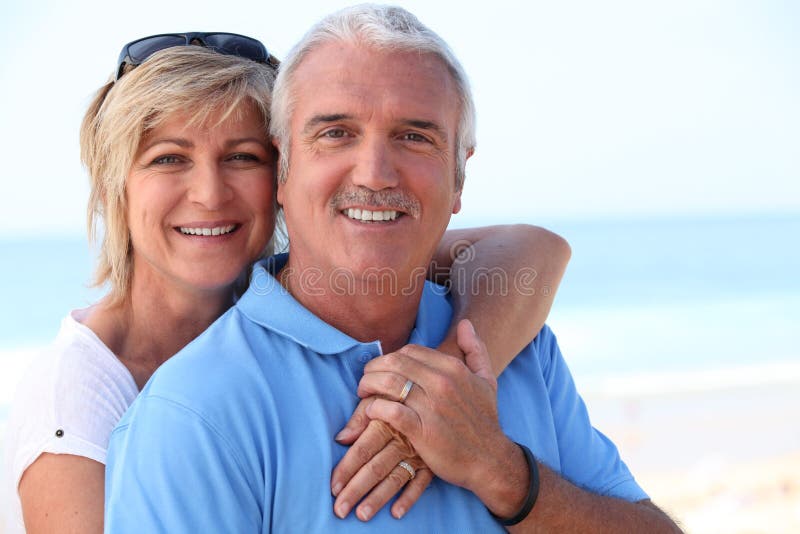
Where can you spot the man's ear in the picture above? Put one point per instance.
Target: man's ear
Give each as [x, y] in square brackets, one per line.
[457, 202]
[457, 199]
[279, 192]
[281, 183]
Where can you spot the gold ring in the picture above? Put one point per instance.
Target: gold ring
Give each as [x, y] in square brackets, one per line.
[407, 467]
[406, 390]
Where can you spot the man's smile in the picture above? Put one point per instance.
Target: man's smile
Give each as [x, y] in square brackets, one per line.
[365, 215]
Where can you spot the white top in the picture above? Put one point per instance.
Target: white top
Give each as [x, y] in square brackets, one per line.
[68, 402]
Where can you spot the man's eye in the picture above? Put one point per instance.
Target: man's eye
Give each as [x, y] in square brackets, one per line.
[334, 133]
[166, 160]
[413, 136]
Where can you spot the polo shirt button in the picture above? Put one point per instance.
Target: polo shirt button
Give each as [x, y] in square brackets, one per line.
[364, 358]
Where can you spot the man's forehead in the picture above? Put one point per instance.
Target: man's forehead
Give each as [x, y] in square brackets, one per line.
[340, 78]
[341, 54]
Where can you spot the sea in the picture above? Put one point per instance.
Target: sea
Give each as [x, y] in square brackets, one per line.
[646, 305]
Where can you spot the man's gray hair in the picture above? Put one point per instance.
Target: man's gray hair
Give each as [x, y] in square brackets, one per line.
[380, 27]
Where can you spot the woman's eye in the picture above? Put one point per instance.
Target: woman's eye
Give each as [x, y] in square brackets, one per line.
[166, 160]
[244, 157]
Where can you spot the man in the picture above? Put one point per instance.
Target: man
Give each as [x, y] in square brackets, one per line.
[374, 120]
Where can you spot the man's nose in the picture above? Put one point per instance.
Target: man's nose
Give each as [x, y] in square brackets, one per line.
[208, 186]
[374, 167]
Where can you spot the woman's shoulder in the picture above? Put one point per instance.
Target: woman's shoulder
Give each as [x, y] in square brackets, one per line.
[76, 359]
[75, 385]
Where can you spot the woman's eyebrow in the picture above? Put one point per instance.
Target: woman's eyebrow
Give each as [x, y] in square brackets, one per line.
[242, 140]
[180, 141]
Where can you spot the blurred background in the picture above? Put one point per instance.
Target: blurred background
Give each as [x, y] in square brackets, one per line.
[661, 139]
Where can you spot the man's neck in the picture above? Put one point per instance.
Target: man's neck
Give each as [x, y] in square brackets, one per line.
[365, 309]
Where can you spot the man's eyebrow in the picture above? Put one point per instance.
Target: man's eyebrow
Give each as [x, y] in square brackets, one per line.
[427, 125]
[430, 126]
[316, 120]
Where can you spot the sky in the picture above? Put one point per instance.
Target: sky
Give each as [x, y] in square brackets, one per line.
[586, 110]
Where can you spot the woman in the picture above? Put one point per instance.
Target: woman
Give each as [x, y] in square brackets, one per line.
[182, 180]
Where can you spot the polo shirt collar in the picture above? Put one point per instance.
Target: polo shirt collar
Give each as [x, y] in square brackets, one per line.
[267, 303]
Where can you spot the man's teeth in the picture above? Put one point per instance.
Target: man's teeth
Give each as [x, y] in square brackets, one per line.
[217, 230]
[367, 215]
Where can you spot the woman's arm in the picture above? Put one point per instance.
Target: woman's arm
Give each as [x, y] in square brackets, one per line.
[502, 278]
[63, 493]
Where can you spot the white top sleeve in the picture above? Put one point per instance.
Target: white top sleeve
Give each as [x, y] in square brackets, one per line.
[68, 402]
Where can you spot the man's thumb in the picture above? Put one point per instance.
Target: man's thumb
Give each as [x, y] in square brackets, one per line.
[477, 357]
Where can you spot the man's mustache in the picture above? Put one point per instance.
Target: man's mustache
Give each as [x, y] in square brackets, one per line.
[389, 199]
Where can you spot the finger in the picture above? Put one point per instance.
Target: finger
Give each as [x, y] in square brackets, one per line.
[436, 376]
[385, 490]
[397, 415]
[412, 492]
[410, 363]
[355, 425]
[386, 384]
[370, 443]
[417, 362]
[477, 356]
[392, 362]
[369, 476]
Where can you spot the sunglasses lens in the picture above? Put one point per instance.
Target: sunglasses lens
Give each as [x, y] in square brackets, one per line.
[236, 45]
[224, 43]
[143, 49]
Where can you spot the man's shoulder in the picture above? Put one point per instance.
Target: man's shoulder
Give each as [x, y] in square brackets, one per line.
[540, 356]
[545, 340]
[435, 315]
[543, 343]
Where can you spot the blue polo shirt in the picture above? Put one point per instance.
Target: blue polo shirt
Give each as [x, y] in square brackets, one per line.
[235, 433]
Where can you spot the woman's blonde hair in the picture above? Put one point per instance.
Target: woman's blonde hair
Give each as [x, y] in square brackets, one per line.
[179, 79]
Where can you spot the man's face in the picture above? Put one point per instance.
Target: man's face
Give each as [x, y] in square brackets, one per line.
[371, 181]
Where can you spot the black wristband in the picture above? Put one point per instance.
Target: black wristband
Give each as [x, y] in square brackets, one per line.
[533, 491]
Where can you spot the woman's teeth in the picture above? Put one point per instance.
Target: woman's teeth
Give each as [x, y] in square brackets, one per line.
[217, 230]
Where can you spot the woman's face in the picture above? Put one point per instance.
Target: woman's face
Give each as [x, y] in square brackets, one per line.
[200, 201]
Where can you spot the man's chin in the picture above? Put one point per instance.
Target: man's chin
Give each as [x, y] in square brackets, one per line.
[384, 273]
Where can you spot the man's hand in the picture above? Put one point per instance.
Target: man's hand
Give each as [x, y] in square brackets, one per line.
[450, 415]
[362, 470]
[370, 467]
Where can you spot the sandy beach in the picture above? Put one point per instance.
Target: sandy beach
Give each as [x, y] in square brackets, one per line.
[758, 496]
[721, 457]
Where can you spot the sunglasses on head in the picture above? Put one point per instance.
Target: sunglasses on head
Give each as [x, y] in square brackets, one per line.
[233, 44]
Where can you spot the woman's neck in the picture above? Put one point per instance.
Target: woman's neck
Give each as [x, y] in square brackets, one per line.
[154, 322]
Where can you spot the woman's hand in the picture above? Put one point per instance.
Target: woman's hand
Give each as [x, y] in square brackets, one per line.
[371, 467]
